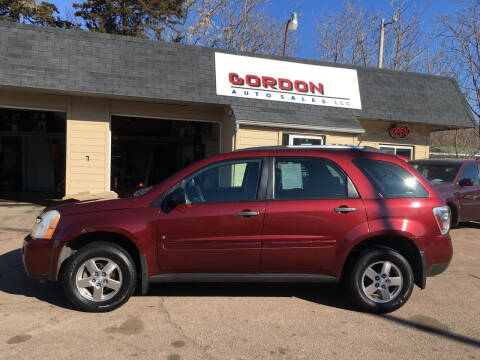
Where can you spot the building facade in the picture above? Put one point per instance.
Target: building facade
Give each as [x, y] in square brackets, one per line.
[89, 112]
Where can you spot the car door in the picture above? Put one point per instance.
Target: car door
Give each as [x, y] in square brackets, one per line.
[469, 196]
[313, 206]
[219, 228]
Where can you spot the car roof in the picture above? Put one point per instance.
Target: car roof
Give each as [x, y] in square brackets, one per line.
[445, 161]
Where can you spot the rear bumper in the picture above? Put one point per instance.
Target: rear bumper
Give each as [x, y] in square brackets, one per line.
[35, 256]
[438, 250]
[436, 257]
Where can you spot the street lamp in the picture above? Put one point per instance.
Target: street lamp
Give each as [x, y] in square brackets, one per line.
[292, 25]
[382, 35]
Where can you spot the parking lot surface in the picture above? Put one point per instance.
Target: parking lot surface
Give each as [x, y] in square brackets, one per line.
[238, 321]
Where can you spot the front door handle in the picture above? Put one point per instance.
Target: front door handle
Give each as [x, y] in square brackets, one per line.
[247, 213]
[344, 209]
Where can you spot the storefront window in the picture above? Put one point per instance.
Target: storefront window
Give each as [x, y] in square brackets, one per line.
[303, 140]
[405, 151]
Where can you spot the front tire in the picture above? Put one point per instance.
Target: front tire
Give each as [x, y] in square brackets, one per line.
[381, 281]
[99, 277]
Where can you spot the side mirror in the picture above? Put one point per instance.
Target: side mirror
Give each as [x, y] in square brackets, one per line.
[466, 182]
[177, 197]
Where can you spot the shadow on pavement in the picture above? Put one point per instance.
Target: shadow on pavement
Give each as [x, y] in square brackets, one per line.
[433, 330]
[333, 295]
[14, 280]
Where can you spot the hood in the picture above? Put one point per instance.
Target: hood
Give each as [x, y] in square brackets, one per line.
[78, 207]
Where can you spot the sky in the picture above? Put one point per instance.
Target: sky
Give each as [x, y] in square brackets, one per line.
[308, 11]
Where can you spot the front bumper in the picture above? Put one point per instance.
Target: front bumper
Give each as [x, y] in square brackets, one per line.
[35, 256]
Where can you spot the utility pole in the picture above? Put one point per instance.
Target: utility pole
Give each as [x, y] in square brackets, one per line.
[382, 38]
[380, 46]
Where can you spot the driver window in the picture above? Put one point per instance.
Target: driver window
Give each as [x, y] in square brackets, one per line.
[470, 172]
[226, 181]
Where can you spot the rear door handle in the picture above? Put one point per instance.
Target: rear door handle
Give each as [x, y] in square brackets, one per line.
[248, 213]
[344, 209]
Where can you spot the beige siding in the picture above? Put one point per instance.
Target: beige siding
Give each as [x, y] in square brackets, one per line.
[254, 136]
[248, 136]
[88, 146]
[376, 134]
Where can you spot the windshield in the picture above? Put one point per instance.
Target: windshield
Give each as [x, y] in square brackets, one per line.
[438, 173]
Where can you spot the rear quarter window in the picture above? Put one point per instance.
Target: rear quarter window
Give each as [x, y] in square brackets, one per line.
[390, 180]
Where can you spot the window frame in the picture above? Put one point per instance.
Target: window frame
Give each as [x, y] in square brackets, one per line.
[462, 169]
[262, 186]
[395, 147]
[351, 191]
[292, 137]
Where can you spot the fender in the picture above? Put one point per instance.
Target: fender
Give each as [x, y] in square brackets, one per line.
[144, 238]
[412, 230]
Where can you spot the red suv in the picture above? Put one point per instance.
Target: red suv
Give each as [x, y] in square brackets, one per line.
[308, 214]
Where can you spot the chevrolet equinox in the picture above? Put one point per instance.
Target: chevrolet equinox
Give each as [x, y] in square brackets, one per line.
[280, 214]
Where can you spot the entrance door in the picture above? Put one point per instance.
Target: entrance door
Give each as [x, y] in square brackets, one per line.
[220, 227]
[314, 206]
[39, 171]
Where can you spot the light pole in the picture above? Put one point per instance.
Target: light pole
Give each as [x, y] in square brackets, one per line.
[382, 36]
[292, 25]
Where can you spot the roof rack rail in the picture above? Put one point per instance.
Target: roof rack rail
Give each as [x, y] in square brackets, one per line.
[306, 147]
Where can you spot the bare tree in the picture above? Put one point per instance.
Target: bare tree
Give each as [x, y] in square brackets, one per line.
[405, 44]
[461, 35]
[459, 142]
[348, 36]
[352, 36]
[240, 25]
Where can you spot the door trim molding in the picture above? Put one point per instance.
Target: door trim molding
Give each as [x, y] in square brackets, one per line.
[243, 277]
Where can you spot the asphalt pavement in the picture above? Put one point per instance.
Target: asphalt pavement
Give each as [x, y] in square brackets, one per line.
[238, 321]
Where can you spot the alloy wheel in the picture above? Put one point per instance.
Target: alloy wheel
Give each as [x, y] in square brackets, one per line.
[382, 281]
[98, 279]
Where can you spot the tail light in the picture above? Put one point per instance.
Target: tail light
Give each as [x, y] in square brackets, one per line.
[442, 215]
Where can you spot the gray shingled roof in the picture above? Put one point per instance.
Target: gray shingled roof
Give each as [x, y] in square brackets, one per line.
[78, 62]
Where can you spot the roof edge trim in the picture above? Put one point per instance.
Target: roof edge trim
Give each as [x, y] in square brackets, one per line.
[300, 126]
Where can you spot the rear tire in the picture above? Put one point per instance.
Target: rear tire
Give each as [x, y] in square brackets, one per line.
[99, 277]
[381, 281]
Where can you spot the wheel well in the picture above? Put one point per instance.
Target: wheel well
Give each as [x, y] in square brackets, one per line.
[454, 211]
[78, 242]
[403, 245]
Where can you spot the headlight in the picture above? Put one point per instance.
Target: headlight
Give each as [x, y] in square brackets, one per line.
[45, 225]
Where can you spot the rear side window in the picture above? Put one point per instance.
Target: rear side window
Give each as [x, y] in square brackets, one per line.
[390, 180]
[309, 178]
